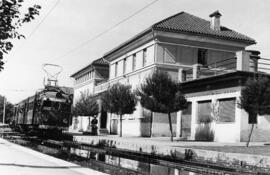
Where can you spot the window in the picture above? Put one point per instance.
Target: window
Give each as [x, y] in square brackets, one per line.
[169, 54]
[202, 57]
[204, 112]
[144, 57]
[133, 62]
[226, 110]
[116, 67]
[124, 65]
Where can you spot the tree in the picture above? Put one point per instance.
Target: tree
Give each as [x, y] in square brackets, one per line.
[255, 99]
[120, 100]
[86, 106]
[161, 94]
[11, 20]
[8, 110]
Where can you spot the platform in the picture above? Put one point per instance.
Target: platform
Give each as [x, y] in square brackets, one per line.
[18, 160]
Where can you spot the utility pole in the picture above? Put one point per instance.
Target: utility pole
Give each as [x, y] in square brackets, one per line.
[4, 109]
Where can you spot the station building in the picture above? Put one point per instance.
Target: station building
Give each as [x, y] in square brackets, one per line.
[211, 62]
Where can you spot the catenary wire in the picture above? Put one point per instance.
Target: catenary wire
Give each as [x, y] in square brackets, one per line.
[83, 44]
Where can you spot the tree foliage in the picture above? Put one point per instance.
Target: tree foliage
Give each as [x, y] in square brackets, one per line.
[11, 20]
[255, 99]
[120, 100]
[86, 106]
[161, 94]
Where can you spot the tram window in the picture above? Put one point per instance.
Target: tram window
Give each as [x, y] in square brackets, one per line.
[47, 103]
[55, 105]
[65, 107]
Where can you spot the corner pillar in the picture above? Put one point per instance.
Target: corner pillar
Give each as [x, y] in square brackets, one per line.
[181, 76]
[179, 124]
[243, 60]
[195, 72]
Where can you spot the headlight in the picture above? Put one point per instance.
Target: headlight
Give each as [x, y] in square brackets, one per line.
[65, 121]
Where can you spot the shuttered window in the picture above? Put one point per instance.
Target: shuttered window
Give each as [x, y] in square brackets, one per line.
[227, 110]
[204, 112]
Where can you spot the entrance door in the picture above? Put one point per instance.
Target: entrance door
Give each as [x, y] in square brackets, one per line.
[186, 121]
[103, 119]
[203, 130]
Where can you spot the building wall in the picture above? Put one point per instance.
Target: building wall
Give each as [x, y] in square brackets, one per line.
[218, 131]
[167, 57]
[84, 83]
[138, 123]
[261, 130]
[160, 125]
[80, 124]
[149, 57]
[184, 55]
[87, 87]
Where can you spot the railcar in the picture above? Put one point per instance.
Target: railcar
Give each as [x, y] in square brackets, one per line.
[48, 109]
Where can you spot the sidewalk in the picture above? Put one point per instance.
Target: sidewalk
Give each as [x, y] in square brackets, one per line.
[18, 160]
[236, 154]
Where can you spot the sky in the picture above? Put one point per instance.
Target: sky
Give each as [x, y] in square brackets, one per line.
[67, 24]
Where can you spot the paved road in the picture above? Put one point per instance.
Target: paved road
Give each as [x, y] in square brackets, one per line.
[18, 160]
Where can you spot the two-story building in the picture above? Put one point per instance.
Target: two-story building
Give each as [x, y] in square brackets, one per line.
[211, 62]
[85, 82]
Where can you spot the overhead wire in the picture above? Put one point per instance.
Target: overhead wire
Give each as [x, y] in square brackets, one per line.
[44, 18]
[40, 23]
[83, 44]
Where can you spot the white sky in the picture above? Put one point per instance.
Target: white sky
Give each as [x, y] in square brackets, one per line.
[73, 22]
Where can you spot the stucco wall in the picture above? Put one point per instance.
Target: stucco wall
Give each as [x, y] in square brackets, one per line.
[150, 48]
[261, 131]
[88, 87]
[160, 125]
[79, 124]
[222, 132]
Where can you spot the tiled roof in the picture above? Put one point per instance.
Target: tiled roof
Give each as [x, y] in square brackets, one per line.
[187, 23]
[98, 62]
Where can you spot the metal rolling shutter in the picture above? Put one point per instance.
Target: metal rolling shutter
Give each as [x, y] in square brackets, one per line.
[204, 111]
[227, 110]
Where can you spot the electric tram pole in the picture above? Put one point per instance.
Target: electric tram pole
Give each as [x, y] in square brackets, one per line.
[4, 109]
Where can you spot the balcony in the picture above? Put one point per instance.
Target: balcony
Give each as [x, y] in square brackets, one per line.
[243, 61]
[101, 87]
[212, 69]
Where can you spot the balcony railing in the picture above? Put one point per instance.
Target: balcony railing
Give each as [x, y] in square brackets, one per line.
[101, 87]
[264, 65]
[212, 69]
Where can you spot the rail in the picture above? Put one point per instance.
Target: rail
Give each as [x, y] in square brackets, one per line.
[101, 87]
[264, 65]
[211, 69]
[218, 67]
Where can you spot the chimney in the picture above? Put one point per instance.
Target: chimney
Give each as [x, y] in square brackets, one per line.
[215, 20]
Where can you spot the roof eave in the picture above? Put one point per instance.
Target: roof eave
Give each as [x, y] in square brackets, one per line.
[141, 34]
[248, 42]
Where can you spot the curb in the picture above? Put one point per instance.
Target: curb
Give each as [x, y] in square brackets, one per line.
[237, 160]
